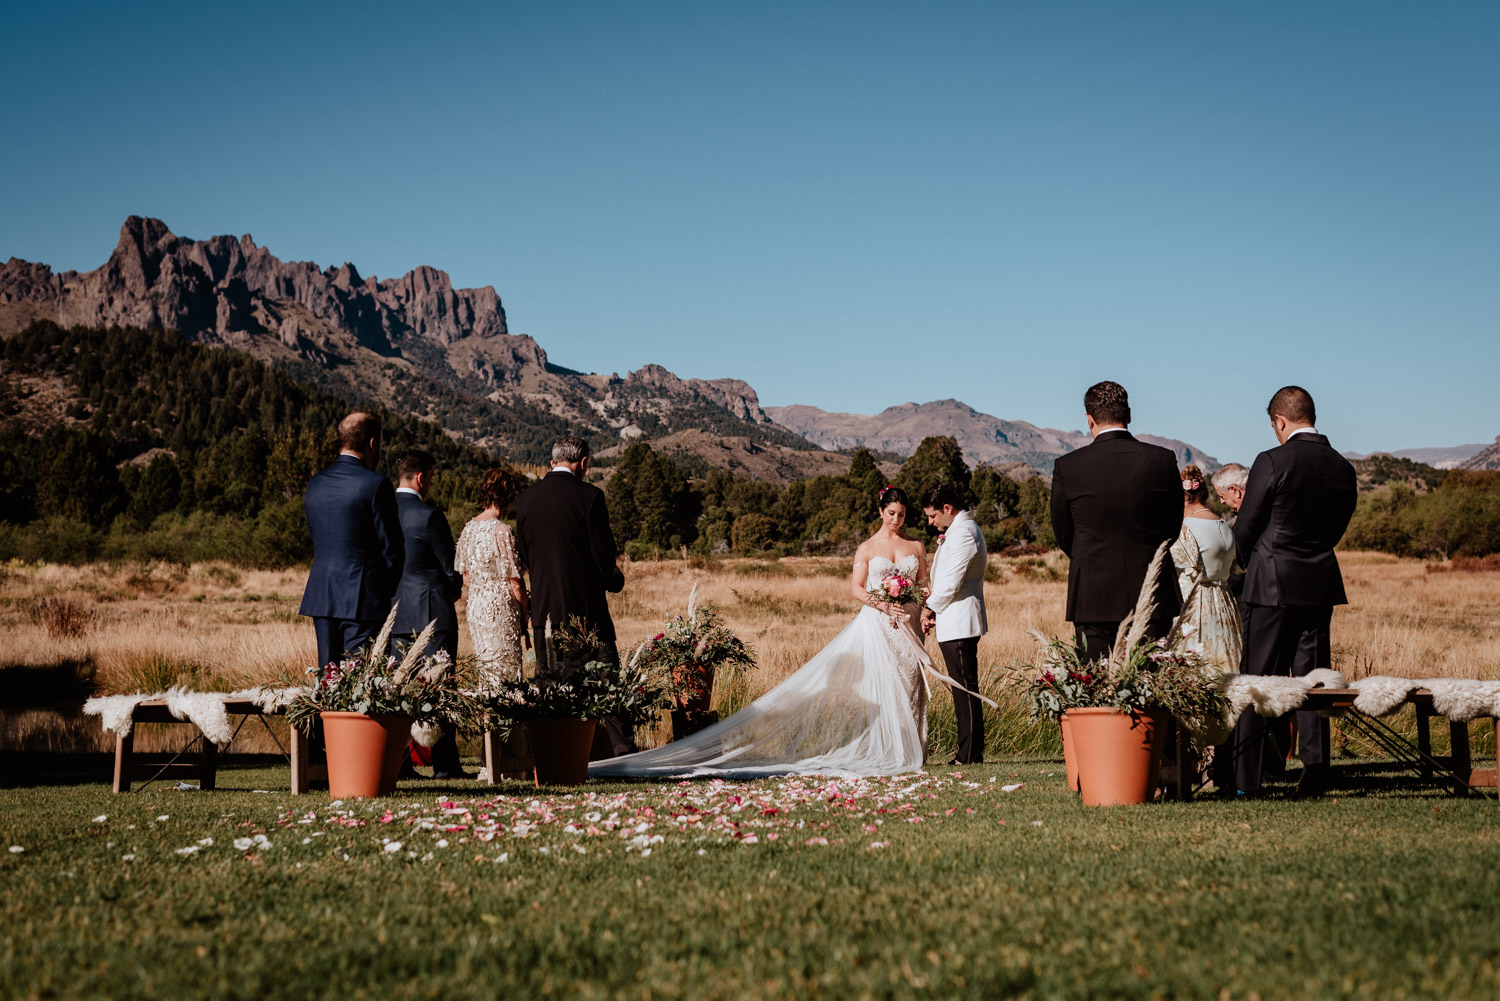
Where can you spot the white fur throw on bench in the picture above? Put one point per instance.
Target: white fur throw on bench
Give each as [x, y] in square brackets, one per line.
[1459, 699]
[205, 710]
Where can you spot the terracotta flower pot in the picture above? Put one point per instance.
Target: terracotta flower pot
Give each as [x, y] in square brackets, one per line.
[1118, 754]
[1070, 756]
[560, 750]
[364, 753]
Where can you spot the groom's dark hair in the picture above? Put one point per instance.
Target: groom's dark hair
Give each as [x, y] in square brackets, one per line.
[414, 461]
[1295, 404]
[940, 495]
[1107, 403]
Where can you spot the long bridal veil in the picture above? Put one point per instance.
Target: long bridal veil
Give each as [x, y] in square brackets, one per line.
[859, 707]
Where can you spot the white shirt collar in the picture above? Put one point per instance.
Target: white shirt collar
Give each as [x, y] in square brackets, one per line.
[1116, 427]
[408, 490]
[1301, 431]
[563, 469]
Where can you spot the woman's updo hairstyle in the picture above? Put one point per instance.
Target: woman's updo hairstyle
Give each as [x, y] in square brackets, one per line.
[1194, 485]
[891, 495]
[499, 488]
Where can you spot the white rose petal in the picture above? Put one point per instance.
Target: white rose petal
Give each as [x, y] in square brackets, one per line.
[206, 842]
[393, 847]
[101, 818]
[442, 842]
[16, 849]
[189, 850]
[127, 858]
[164, 816]
[242, 844]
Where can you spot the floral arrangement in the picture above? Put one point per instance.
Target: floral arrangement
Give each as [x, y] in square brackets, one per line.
[1138, 675]
[899, 588]
[376, 682]
[689, 652]
[593, 690]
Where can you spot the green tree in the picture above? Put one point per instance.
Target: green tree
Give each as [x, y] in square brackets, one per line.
[996, 496]
[937, 460]
[79, 479]
[647, 500]
[1034, 506]
[157, 492]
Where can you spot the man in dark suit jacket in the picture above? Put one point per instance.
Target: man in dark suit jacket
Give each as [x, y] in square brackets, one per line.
[564, 539]
[358, 548]
[1114, 501]
[1298, 502]
[429, 584]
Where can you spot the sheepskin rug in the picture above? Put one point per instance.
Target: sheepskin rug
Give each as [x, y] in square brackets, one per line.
[205, 710]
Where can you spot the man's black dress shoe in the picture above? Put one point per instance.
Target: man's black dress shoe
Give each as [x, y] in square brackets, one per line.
[1315, 781]
[460, 774]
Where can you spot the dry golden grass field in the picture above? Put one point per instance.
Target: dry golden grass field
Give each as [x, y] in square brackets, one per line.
[215, 627]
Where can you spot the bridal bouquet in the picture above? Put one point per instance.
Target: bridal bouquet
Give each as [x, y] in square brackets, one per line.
[898, 588]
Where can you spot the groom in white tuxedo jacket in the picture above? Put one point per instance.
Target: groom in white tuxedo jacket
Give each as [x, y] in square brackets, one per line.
[956, 610]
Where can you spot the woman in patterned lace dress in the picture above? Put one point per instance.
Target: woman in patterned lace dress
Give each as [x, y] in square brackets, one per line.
[497, 604]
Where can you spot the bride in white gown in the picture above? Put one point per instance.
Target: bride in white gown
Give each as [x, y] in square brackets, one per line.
[859, 707]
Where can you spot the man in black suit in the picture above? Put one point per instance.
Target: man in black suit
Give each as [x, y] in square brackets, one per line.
[564, 539]
[358, 548]
[1114, 501]
[1298, 502]
[429, 584]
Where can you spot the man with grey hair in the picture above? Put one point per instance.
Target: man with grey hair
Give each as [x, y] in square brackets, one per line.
[564, 539]
[1229, 484]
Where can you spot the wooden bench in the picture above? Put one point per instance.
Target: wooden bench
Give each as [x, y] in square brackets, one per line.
[205, 767]
[1457, 765]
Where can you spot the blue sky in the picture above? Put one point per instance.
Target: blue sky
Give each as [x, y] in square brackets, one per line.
[848, 205]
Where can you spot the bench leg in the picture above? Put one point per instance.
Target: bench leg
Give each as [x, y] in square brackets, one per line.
[124, 746]
[208, 763]
[301, 781]
[1460, 761]
[491, 759]
[1424, 740]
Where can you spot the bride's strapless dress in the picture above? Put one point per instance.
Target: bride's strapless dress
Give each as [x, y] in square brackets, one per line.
[859, 707]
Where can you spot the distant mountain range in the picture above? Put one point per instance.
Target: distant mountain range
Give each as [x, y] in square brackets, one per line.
[420, 346]
[1454, 457]
[900, 429]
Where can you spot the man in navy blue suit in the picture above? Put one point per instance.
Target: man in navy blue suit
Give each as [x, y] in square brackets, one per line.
[358, 548]
[429, 584]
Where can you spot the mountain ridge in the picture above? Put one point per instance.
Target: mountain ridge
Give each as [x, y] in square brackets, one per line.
[447, 354]
[983, 437]
[370, 336]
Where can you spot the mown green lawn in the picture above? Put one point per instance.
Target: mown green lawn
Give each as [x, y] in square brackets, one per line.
[1381, 890]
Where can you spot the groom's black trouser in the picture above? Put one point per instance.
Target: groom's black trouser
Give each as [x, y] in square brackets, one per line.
[1285, 640]
[1097, 639]
[961, 657]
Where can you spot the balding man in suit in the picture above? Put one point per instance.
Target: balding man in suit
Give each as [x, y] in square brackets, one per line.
[358, 548]
[563, 537]
[1298, 502]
